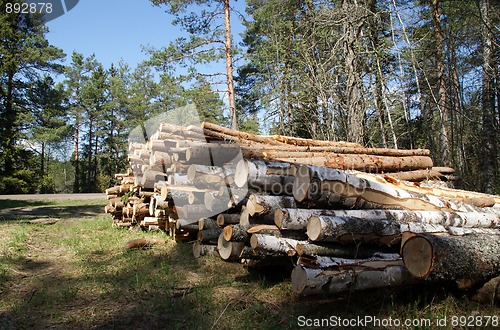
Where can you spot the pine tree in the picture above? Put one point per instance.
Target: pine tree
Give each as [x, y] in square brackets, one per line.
[209, 28]
[25, 54]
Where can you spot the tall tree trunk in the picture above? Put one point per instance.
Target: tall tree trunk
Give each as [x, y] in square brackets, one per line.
[489, 162]
[229, 67]
[76, 157]
[42, 169]
[10, 119]
[377, 86]
[444, 113]
[423, 110]
[89, 164]
[94, 167]
[404, 101]
[354, 107]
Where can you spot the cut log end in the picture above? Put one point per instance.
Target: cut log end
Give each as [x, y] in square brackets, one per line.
[301, 183]
[228, 233]
[229, 250]
[241, 174]
[279, 215]
[418, 256]
[299, 279]
[313, 228]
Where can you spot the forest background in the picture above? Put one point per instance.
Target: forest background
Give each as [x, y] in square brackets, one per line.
[383, 73]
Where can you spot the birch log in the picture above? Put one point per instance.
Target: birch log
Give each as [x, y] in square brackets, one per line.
[225, 219]
[349, 275]
[278, 245]
[229, 251]
[338, 229]
[296, 219]
[200, 249]
[312, 183]
[207, 235]
[259, 204]
[467, 259]
[274, 177]
[352, 251]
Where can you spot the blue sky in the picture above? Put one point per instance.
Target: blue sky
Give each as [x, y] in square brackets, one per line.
[116, 29]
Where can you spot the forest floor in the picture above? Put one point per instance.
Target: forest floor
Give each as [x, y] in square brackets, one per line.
[63, 266]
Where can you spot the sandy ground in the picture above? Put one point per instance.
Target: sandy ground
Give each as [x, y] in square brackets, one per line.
[54, 197]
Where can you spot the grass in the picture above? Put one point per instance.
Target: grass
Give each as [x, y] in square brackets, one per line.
[76, 274]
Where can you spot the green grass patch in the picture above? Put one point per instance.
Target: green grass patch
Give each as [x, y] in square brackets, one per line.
[76, 273]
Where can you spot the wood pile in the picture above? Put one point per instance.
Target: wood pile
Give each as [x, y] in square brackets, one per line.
[343, 216]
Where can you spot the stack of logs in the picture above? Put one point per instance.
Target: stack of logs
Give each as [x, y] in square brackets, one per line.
[345, 217]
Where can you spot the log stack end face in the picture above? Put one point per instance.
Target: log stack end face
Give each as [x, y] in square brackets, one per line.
[302, 183]
[418, 257]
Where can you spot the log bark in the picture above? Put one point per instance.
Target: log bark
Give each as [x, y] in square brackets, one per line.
[181, 131]
[193, 211]
[298, 152]
[214, 154]
[115, 190]
[468, 197]
[246, 219]
[176, 179]
[140, 210]
[207, 223]
[195, 171]
[109, 209]
[350, 251]
[467, 259]
[296, 219]
[225, 219]
[259, 204]
[160, 158]
[278, 245]
[365, 163]
[311, 142]
[234, 135]
[149, 178]
[349, 275]
[313, 183]
[188, 225]
[443, 169]
[249, 253]
[207, 235]
[182, 193]
[264, 177]
[217, 203]
[417, 175]
[237, 233]
[338, 229]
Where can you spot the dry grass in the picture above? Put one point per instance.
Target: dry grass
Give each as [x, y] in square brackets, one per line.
[75, 273]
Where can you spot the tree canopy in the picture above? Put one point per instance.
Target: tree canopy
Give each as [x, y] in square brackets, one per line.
[383, 73]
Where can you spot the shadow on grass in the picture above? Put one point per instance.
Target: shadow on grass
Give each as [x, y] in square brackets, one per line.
[140, 293]
[29, 210]
[10, 203]
[166, 288]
